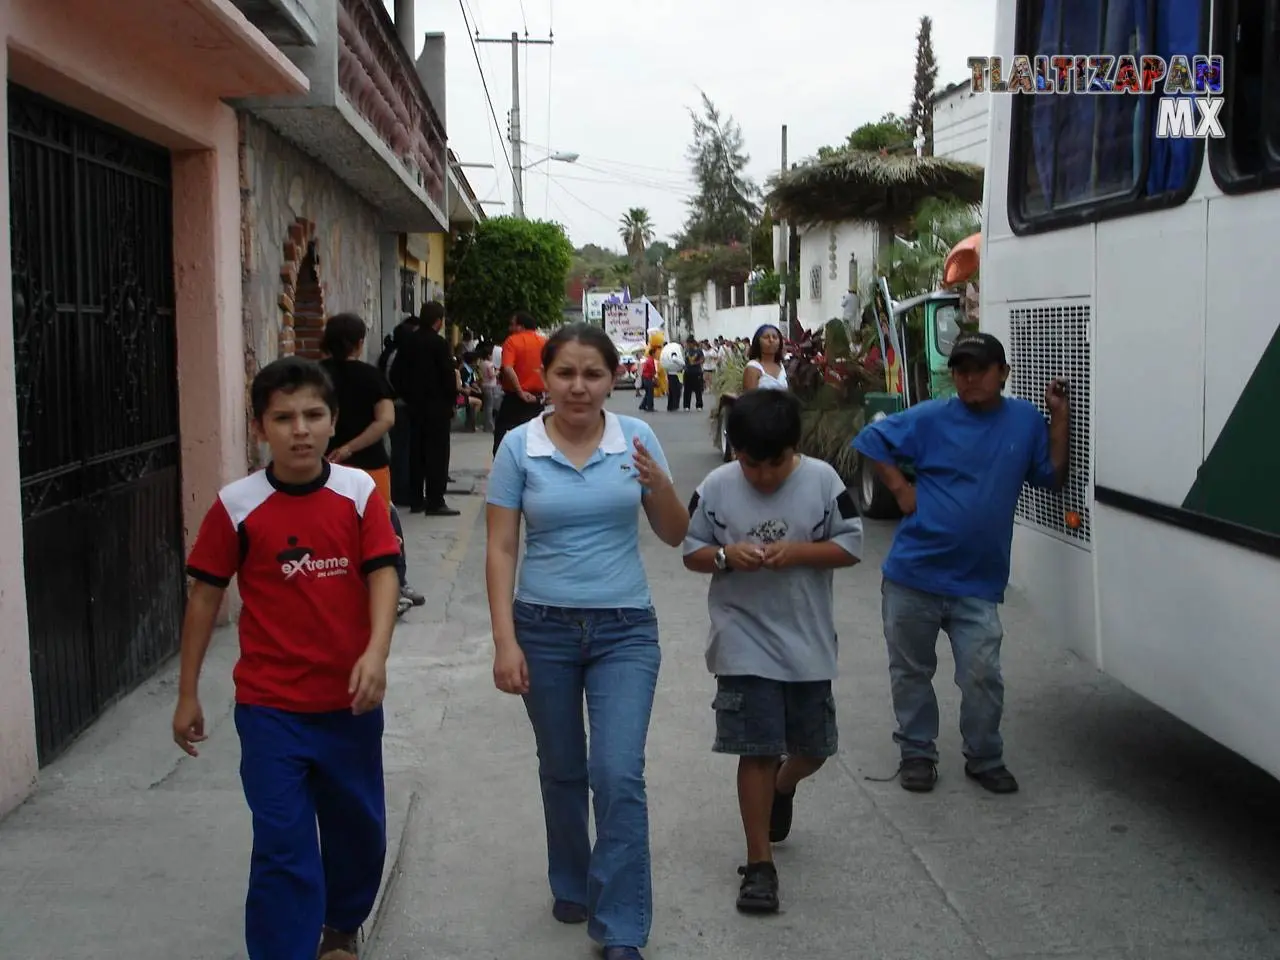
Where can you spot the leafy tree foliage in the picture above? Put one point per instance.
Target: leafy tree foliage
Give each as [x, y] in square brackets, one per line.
[506, 265]
[921, 115]
[725, 206]
[636, 230]
[889, 133]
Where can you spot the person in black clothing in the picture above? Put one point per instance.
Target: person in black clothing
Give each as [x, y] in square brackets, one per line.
[694, 358]
[422, 374]
[366, 412]
[401, 433]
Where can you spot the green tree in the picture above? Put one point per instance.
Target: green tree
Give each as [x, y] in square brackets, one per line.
[636, 230]
[622, 271]
[920, 118]
[658, 251]
[915, 266]
[724, 208]
[889, 133]
[506, 265]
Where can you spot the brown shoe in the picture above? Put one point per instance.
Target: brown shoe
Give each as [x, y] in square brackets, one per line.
[335, 945]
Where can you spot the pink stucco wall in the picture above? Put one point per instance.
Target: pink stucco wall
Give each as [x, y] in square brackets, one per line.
[17, 710]
[68, 52]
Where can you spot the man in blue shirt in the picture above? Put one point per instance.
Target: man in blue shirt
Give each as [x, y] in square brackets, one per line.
[949, 564]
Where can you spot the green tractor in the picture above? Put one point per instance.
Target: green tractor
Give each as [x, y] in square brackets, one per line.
[922, 329]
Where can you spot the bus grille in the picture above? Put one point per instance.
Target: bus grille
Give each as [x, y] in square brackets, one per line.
[1047, 342]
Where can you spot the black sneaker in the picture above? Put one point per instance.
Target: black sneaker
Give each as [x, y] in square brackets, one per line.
[566, 911]
[780, 815]
[759, 890]
[441, 510]
[918, 774]
[998, 780]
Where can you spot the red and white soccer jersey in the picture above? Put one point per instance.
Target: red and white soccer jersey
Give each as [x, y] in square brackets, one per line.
[302, 553]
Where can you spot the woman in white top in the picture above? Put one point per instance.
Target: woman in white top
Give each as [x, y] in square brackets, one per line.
[764, 361]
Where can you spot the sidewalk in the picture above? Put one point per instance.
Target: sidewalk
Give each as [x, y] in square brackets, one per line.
[130, 848]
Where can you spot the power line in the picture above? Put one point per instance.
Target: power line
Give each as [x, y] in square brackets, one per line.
[485, 83]
[576, 198]
[493, 149]
[551, 35]
[619, 163]
[625, 177]
[652, 187]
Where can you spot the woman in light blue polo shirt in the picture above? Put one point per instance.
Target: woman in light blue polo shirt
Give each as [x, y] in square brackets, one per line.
[580, 623]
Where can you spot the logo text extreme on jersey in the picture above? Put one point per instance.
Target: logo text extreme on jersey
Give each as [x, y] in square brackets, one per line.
[296, 560]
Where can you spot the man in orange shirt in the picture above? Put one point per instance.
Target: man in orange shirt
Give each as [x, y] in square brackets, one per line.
[521, 377]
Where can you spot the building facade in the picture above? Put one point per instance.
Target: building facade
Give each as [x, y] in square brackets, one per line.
[121, 360]
[182, 210]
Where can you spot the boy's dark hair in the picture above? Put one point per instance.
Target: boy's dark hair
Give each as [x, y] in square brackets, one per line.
[587, 334]
[287, 375]
[470, 357]
[526, 320]
[343, 332]
[432, 312]
[765, 424]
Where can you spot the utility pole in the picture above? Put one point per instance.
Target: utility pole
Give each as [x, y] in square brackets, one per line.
[517, 170]
[784, 269]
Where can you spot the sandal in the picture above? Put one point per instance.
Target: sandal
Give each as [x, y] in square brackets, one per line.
[759, 890]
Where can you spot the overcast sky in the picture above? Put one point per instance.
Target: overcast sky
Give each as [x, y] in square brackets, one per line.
[618, 84]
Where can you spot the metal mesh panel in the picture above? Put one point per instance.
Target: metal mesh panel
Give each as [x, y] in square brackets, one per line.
[1047, 342]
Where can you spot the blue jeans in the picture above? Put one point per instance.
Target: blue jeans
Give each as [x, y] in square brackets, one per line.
[611, 657]
[912, 621]
[314, 786]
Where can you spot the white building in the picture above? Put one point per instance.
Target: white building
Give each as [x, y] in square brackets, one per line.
[960, 119]
[725, 312]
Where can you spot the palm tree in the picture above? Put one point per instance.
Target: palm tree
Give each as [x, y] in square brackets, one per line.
[636, 230]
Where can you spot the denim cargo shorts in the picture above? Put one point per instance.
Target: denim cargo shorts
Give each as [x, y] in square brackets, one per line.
[758, 717]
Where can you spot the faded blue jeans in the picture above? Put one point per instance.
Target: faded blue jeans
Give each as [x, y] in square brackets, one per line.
[610, 657]
[912, 622]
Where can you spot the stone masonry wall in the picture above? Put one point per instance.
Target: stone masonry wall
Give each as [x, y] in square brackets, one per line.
[309, 249]
[295, 210]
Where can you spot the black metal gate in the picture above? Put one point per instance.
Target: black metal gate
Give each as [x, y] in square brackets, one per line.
[95, 359]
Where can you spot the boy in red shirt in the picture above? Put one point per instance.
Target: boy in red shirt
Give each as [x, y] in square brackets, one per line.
[315, 553]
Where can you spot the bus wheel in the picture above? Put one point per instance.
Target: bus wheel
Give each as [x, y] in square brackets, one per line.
[874, 499]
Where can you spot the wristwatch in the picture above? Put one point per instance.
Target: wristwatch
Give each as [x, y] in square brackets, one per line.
[722, 561]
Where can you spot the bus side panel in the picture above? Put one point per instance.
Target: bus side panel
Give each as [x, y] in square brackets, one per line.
[1242, 314]
[1149, 353]
[1207, 654]
[1056, 580]
[1046, 272]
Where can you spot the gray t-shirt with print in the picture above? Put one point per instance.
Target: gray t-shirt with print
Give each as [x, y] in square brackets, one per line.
[777, 624]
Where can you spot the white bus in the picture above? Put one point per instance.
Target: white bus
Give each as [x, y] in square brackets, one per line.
[1145, 271]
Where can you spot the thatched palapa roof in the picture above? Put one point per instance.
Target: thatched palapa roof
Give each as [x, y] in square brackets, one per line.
[870, 187]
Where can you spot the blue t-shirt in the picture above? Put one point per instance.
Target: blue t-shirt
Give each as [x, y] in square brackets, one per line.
[970, 467]
[582, 527]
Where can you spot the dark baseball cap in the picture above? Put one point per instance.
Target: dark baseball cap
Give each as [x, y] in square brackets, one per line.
[982, 347]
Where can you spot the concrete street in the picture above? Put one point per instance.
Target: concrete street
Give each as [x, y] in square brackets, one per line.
[1133, 837]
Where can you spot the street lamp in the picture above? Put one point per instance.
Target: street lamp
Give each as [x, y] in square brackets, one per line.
[560, 156]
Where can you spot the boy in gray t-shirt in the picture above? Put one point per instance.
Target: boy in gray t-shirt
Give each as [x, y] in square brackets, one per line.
[770, 529]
